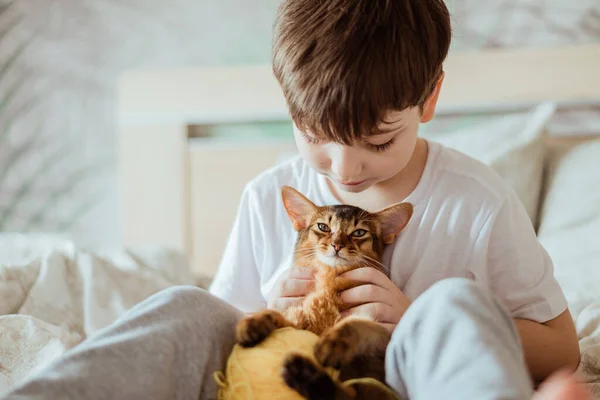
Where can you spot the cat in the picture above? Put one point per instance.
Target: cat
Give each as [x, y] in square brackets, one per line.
[332, 240]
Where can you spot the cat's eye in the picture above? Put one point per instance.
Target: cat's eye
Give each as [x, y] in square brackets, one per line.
[323, 227]
[359, 233]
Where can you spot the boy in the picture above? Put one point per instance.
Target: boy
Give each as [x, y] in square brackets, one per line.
[359, 77]
[470, 288]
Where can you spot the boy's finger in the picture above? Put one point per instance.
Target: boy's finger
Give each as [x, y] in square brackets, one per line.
[365, 294]
[302, 273]
[389, 327]
[368, 275]
[377, 312]
[296, 287]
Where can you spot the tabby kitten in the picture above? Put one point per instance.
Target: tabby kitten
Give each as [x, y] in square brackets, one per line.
[332, 240]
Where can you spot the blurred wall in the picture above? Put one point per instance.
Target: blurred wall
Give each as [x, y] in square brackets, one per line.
[59, 61]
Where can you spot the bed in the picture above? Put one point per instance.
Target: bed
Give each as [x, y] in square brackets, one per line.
[190, 139]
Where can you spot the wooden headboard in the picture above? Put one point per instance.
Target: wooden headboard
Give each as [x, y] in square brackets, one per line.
[181, 190]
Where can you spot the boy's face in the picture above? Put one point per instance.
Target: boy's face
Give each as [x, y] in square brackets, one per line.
[373, 159]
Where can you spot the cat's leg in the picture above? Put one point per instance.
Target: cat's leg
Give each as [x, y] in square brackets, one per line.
[311, 381]
[298, 316]
[349, 339]
[319, 312]
[254, 328]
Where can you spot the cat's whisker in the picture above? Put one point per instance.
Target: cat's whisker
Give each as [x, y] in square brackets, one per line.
[303, 258]
[365, 263]
[374, 263]
[377, 263]
[305, 252]
[377, 267]
[303, 249]
[304, 255]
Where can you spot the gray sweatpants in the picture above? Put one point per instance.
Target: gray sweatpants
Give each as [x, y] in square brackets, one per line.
[454, 342]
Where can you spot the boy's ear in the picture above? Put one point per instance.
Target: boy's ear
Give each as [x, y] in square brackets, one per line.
[431, 102]
[299, 208]
[393, 219]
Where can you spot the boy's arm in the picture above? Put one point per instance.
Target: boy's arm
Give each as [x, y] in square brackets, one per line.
[549, 346]
[521, 273]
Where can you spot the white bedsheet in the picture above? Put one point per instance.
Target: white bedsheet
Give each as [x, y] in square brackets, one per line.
[578, 272]
[52, 299]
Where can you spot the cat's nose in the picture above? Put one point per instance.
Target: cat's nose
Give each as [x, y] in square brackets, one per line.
[337, 246]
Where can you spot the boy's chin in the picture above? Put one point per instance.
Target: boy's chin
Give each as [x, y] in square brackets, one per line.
[354, 188]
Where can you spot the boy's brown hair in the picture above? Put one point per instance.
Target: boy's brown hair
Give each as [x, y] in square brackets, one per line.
[343, 64]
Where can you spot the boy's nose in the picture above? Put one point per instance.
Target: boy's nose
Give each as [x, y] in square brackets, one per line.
[345, 163]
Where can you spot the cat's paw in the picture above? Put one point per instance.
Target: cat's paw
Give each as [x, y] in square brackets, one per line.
[301, 374]
[253, 329]
[335, 348]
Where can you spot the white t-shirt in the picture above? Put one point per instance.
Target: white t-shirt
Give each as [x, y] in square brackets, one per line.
[467, 222]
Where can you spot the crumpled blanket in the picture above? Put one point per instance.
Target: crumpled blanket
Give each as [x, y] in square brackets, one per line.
[53, 295]
[52, 299]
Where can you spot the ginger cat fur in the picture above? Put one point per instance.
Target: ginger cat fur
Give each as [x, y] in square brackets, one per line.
[332, 240]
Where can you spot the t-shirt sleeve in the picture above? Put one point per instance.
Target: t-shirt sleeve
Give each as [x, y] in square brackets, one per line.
[520, 270]
[237, 280]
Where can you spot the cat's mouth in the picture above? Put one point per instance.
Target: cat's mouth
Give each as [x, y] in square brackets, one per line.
[333, 260]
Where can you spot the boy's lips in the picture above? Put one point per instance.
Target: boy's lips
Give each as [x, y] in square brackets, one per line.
[351, 183]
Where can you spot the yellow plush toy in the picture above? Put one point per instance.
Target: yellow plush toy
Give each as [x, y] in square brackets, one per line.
[255, 373]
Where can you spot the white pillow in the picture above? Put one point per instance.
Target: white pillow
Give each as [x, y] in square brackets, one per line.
[570, 232]
[510, 143]
[570, 219]
[573, 188]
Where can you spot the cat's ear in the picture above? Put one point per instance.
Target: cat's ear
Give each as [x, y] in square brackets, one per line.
[393, 219]
[299, 208]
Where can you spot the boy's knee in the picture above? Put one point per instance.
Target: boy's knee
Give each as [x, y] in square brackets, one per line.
[454, 288]
[449, 299]
[451, 294]
[185, 291]
[185, 295]
[457, 295]
[194, 302]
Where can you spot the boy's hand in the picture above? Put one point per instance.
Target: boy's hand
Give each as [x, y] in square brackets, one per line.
[378, 299]
[291, 287]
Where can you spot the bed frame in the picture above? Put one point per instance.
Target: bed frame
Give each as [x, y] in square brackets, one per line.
[180, 188]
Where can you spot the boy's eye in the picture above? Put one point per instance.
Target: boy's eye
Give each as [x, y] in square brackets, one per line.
[381, 147]
[359, 233]
[323, 227]
[310, 139]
